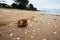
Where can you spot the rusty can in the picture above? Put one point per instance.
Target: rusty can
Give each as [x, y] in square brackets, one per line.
[22, 23]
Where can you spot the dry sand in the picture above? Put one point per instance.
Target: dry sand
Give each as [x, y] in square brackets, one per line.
[40, 26]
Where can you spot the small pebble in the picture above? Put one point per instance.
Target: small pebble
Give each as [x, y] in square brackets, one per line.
[30, 25]
[0, 33]
[44, 39]
[45, 30]
[32, 36]
[34, 30]
[18, 38]
[25, 32]
[10, 30]
[14, 38]
[54, 19]
[25, 29]
[49, 23]
[11, 34]
[54, 32]
[35, 19]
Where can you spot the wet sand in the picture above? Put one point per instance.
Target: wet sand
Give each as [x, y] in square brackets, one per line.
[40, 26]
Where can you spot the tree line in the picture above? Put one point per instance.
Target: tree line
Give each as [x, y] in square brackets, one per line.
[21, 4]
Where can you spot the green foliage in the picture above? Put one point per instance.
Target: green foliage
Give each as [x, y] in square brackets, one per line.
[22, 4]
[31, 7]
[14, 5]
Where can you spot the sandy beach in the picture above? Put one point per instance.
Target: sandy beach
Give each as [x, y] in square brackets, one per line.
[40, 26]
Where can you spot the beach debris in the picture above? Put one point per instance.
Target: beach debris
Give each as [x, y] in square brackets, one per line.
[11, 34]
[18, 38]
[0, 33]
[25, 31]
[22, 23]
[57, 15]
[54, 32]
[54, 19]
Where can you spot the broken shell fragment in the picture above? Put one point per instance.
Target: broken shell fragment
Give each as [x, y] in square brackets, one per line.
[22, 23]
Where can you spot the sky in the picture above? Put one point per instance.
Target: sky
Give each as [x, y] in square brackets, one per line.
[7, 1]
[50, 4]
[39, 4]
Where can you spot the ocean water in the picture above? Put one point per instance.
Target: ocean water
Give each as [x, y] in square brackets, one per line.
[55, 13]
